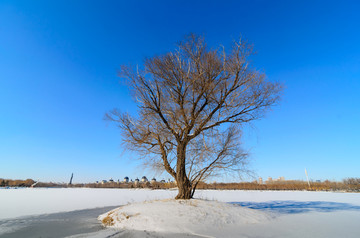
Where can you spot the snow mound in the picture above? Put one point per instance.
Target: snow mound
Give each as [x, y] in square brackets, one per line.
[188, 216]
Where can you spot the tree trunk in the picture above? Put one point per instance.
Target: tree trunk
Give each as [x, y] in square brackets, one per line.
[183, 182]
[184, 186]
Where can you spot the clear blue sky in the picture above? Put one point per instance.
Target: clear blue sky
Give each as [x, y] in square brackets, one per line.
[58, 64]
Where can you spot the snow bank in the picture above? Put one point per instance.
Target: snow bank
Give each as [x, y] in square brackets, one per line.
[181, 216]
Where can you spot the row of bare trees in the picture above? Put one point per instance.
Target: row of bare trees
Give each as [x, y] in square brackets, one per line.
[286, 185]
[16, 182]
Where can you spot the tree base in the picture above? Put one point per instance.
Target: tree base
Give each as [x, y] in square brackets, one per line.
[184, 194]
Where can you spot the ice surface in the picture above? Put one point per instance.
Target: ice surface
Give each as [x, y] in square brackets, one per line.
[27, 201]
[292, 214]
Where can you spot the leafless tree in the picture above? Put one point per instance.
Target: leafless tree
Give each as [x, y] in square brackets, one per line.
[192, 103]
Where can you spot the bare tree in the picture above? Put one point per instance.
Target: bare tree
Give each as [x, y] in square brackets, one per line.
[192, 103]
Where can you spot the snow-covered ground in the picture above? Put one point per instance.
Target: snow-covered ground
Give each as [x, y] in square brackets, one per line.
[194, 216]
[27, 201]
[246, 214]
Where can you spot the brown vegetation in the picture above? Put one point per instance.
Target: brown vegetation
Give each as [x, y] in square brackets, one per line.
[347, 185]
[16, 183]
[285, 185]
[108, 221]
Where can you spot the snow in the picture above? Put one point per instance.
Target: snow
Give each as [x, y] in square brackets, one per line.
[213, 213]
[181, 216]
[35, 201]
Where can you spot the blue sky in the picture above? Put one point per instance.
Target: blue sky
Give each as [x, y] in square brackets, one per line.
[58, 65]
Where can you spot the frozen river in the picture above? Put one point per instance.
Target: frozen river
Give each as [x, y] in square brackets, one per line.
[54, 225]
[74, 212]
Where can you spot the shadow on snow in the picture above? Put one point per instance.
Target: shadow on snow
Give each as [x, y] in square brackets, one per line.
[295, 207]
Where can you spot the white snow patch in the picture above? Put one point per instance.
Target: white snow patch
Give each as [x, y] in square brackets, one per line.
[178, 216]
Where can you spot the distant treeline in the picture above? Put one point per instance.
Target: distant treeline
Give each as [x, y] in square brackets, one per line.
[345, 185]
[16, 183]
[348, 185]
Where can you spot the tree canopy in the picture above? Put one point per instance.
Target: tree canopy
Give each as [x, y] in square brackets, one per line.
[192, 103]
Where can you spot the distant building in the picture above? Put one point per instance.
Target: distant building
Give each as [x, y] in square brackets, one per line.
[111, 180]
[144, 179]
[269, 180]
[162, 181]
[260, 180]
[153, 180]
[280, 179]
[103, 181]
[126, 179]
[136, 181]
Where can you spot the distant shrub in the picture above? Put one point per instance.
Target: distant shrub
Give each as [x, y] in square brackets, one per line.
[352, 181]
[16, 183]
